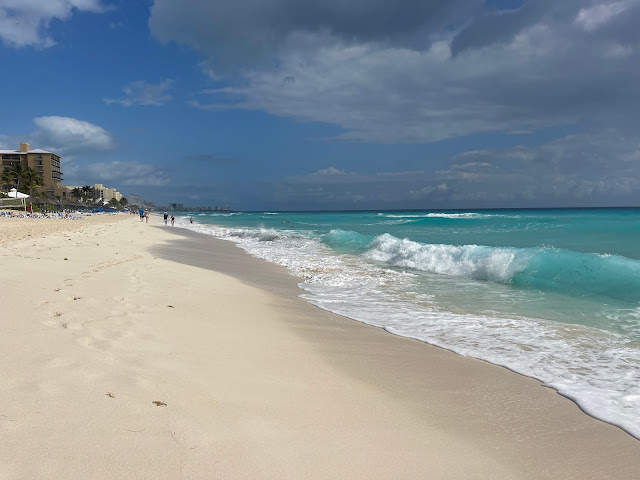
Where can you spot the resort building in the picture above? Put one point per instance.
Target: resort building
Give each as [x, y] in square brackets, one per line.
[47, 164]
[106, 193]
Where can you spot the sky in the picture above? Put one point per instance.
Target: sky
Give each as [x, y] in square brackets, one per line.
[327, 104]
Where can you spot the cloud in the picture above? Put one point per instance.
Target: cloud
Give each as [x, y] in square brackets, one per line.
[68, 135]
[329, 171]
[592, 18]
[143, 93]
[75, 140]
[26, 22]
[428, 190]
[123, 174]
[232, 32]
[211, 159]
[594, 169]
[544, 70]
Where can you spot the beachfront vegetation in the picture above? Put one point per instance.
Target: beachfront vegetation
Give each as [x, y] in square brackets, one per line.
[19, 175]
[32, 180]
[76, 193]
[88, 192]
[14, 175]
[28, 179]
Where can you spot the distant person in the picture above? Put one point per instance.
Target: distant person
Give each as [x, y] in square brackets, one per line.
[146, 215]
[166, 218]
[191, 220]
[173, 220]
[142, 214]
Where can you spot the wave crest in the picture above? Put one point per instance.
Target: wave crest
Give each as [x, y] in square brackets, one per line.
[548, 269]
[471, 261]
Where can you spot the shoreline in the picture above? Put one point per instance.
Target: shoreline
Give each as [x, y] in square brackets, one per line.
[215, 263]
[630, 427]
[257, 382]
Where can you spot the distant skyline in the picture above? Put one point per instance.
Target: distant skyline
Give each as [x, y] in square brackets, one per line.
[286, 105]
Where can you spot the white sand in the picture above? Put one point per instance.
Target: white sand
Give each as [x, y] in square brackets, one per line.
[256, 385]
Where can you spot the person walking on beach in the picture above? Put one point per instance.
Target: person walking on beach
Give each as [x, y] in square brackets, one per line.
[166, 217]
[173, 219]
[142, 214]
[146, 216]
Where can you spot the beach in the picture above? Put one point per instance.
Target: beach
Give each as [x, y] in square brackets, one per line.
[131, 350]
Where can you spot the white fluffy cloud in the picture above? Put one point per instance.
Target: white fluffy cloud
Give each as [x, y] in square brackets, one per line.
[594, 17]
[26, 22]
[70, 135]
[143, 93]
[329, 171]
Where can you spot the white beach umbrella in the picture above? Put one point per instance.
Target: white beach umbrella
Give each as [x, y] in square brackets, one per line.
[13, 193]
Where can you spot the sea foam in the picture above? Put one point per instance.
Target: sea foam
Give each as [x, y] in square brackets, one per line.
[598, 369]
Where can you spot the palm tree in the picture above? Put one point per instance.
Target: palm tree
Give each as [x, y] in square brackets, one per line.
[88, 192]
[14, 175]
[32, 179]
[77, 193]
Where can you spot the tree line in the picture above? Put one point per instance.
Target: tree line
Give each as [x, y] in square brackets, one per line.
[27, 178]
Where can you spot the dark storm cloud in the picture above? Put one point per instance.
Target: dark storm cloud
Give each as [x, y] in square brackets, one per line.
[501, 26]
[400, 95]
[540, 65]
[254, 28]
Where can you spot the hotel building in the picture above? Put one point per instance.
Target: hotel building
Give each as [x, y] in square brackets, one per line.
[105, 193]
[46, 164]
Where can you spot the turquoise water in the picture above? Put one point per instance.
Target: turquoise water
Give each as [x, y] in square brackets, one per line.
[553, 294]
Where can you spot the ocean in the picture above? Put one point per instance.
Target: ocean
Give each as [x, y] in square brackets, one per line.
[551, 294]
